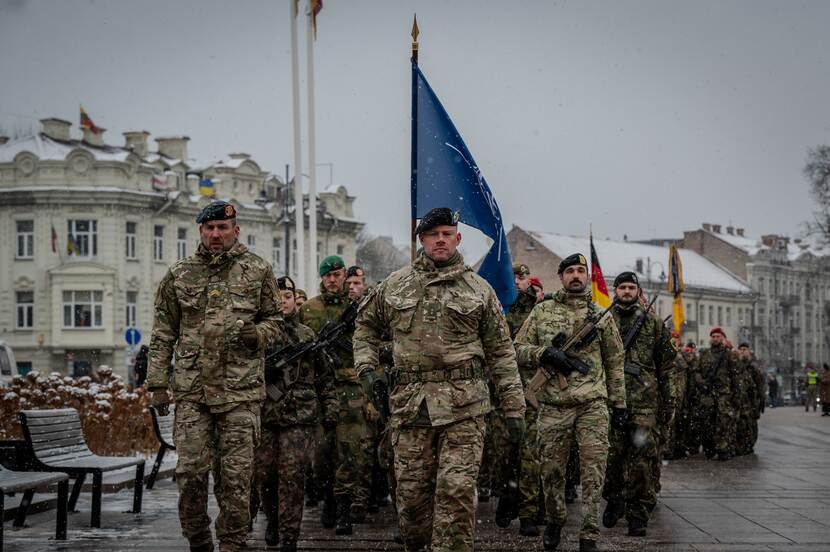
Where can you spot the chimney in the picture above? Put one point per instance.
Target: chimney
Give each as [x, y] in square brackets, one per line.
[707, 226]
[239, 155]
[638, 266]
[769, 240]
[716, 228]
[57, 129]
[136, 140]
[730, 230]
[94, 138]
[173, 146]
[3, 139]
[740, 232]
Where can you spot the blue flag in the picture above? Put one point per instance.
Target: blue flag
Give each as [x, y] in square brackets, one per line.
[444, 174]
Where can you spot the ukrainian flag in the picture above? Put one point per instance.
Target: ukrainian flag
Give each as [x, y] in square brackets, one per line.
[206, 187]
[676, 288]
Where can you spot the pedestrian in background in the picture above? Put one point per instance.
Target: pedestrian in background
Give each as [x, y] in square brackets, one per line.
[824, 391]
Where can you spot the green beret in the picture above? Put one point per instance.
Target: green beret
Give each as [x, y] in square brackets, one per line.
[217, 210]
[521, 269]
[330, 263]
[355, 271]
[626, 278]
[440, 216]
[575, 259]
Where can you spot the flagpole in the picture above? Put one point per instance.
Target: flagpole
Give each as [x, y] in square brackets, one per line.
[299, 215]
[312, 155]
[413, 183]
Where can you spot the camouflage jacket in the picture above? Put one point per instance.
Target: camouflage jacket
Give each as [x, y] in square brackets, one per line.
[308, 385]
[198, 304]
[446, 325]
[566, 313]
[717, 371]
[652, 354]
[746, 385]
[520, 310]
[327, 307]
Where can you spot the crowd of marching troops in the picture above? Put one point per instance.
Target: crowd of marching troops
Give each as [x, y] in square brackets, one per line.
[421, 389]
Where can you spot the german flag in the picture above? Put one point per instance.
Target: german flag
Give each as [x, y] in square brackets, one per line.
[599, 291]
[86, 122]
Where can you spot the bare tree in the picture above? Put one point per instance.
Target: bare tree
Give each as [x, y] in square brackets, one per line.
[817, 172]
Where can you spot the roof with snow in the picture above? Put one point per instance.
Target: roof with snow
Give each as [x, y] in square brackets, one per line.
[49, 149]
[616, 257]
[795, 247]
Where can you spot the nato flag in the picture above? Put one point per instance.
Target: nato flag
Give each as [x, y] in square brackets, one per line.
[444, 174]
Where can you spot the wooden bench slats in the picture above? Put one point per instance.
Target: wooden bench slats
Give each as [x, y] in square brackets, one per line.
[14, 481]
[57, 440]
[102, 463]
[76, 450]
[57, 426]
[51, 414]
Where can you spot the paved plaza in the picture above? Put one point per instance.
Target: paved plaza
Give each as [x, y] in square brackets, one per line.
[778, 499]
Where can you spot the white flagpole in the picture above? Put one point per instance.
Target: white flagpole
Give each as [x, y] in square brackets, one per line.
[312, 156]
[299, 217]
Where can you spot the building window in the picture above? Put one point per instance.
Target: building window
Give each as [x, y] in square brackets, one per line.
[294, 256]
[132, 302]
[83, 238]
[82, 309]
[728, 316]
[25, 309]
[689, 311]
[720, 316]
[132, 228]
[24, 368]
[340, 249]
[711, 315]
[25, 239]
[319, 252]
[252, 243]
[702, 315]
[276, 254]
[181, 244]
[158, 242]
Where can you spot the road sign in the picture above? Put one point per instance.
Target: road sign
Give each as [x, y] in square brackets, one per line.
[132, 336]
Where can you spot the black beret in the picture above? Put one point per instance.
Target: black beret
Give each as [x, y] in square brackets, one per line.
[285, 282]
[440, 216]
[575, 259]
[626, 278]
[744, 344]
[218, 210]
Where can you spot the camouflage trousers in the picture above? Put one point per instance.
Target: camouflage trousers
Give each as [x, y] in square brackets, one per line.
[704, 423]
[436, 470]
[501, 453]
[558, 426]
[529, 479]
[342, 459]
[220, 441]
[630, 475]
[281, 459]
[745, 432]
[726, 420]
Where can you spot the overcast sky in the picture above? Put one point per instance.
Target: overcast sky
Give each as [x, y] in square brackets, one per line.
[643, 118]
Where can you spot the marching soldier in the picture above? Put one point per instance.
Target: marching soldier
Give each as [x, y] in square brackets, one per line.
[718, 372]
[446, 325]
[216, 311]
[576, 408]
[342, 451]
[302, 397]
[651, 392]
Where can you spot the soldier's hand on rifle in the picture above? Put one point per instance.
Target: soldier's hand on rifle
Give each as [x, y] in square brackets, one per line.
[557, 360]
[515, 430]
[619, 417]
[161, 401]
[248, 334]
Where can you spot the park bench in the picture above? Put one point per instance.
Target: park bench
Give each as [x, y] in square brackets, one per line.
[163, 428]
[56, 443]
[15, 481]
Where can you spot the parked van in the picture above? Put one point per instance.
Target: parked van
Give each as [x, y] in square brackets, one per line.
[8, 366]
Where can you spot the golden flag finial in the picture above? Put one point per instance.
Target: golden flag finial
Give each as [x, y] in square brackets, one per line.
[415, 38]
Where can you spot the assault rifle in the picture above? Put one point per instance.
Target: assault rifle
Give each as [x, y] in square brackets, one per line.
[581, 336]
[331, 334]
[631, 335]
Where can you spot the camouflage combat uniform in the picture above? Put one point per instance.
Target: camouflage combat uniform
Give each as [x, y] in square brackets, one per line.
[343, 453]
[289, 430]
[747, 405]
[217, 380]
[651, 397]
[446, 326]
[718, 396]
[579, 410]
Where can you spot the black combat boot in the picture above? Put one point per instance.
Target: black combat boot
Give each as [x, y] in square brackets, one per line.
[506, 510]
[552, 536]
[344, 518]
[328, 513]
[358, 513]
[587, 545]
[206, 547]
[570, 495]
[614, 510]
[527, 528]
[483, 494]
[272, 536]
[288, 545]
[637, 528]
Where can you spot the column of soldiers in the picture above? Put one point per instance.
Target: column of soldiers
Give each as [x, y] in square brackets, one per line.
[272, 413]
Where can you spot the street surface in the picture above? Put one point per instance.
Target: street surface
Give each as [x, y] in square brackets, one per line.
[778, 499]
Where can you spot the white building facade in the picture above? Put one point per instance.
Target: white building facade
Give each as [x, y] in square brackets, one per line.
[93, 228]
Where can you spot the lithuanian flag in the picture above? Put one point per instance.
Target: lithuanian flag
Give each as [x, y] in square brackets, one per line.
[599, 291]
[86, 122]
[676, 288]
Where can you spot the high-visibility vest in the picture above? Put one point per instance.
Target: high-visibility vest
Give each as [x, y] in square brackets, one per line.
[812, 377]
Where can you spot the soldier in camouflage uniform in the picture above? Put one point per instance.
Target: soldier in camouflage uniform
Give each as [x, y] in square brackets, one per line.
[342, 452]
[651, 393]
[446, 325]
[294, 405]
[577, 410]
[718, 374]
[748, 401]
[217, 311]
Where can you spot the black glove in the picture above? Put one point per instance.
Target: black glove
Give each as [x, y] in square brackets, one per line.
[515, 430]
[619, 417]
[329, 421]
[557, 360]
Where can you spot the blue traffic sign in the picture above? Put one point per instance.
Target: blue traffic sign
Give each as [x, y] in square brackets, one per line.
[132, 336]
